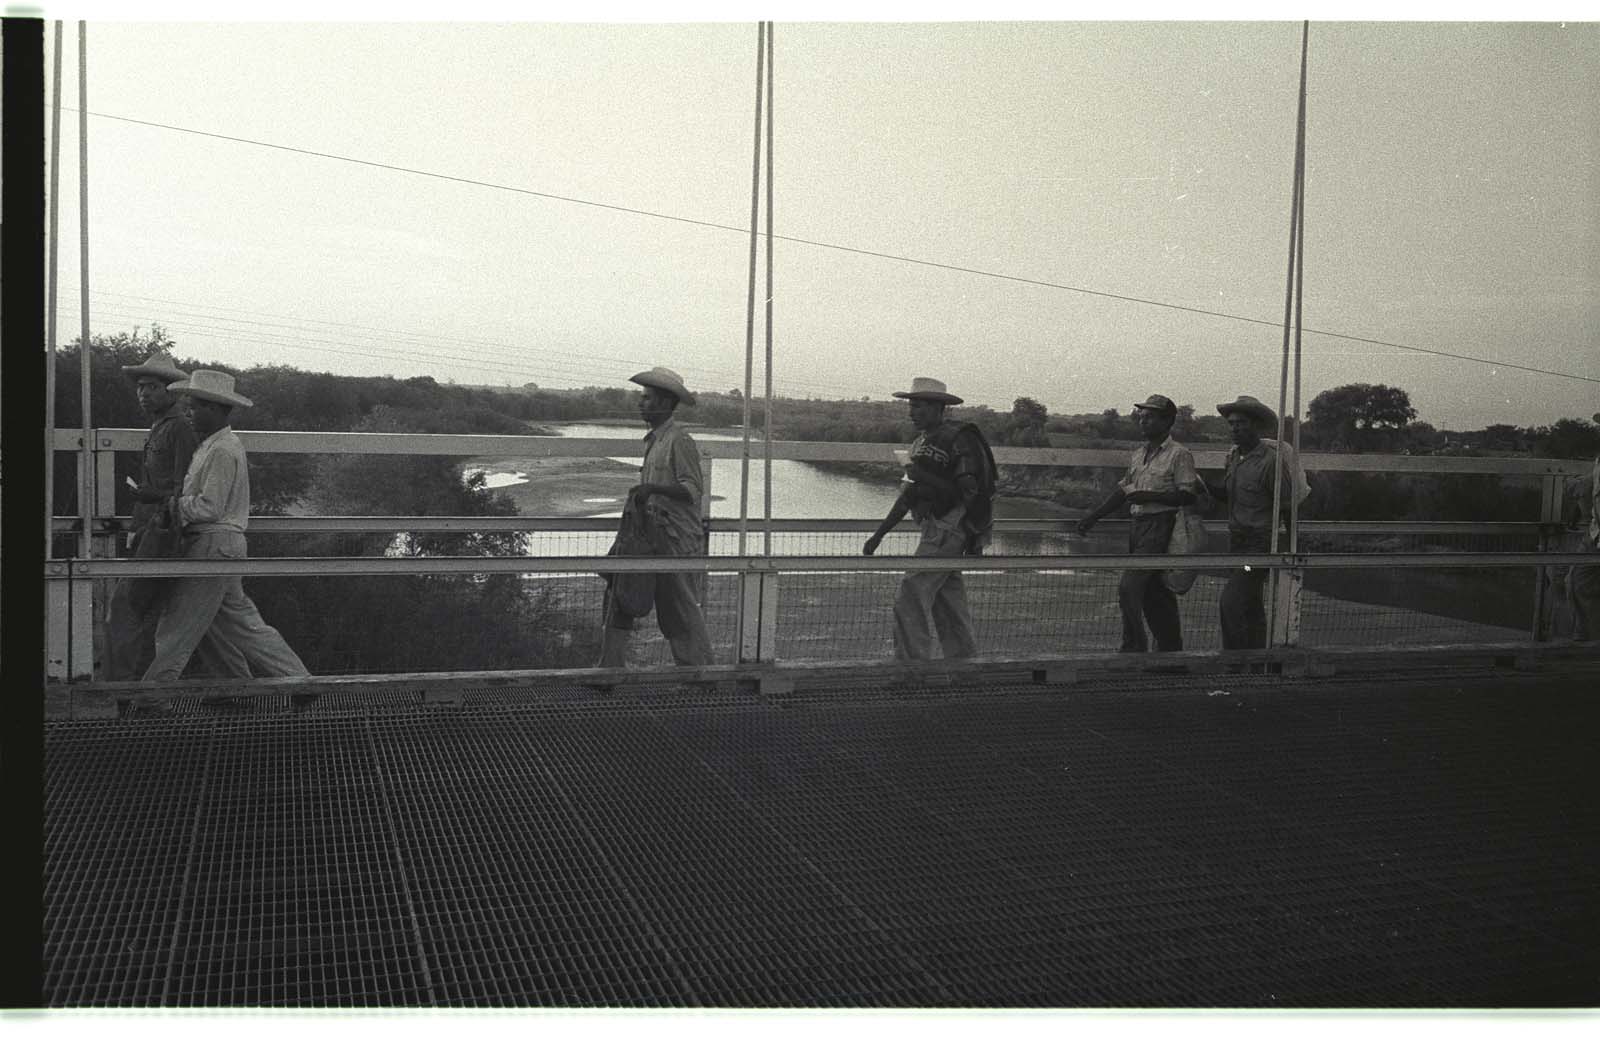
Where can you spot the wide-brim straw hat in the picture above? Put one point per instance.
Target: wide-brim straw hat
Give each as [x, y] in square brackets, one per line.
[928, 389]
[1264, 417]
[160, 365]
[210, 385]
[663, 378]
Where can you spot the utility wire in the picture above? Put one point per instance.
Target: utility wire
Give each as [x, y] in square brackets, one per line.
[839, 248]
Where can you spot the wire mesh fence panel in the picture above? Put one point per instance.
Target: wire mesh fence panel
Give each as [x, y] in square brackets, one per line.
[1408, 606]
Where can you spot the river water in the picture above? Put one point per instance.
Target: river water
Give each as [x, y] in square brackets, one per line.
[802, 490]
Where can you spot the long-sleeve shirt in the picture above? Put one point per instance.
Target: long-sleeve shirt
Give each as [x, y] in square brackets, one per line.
[1167, 470]
[672, 458]
[168, 450]
[216, 490]
[1248, 484]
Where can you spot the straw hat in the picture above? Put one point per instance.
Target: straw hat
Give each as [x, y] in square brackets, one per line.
[1265, 418]
[160, 365]
[663, 378]
[210, 385]
[928, 389]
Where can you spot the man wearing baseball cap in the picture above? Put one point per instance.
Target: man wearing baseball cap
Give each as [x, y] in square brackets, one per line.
[670, 486]
[1160, 479]
[1248, 487]
[134, 604]
[213, 614]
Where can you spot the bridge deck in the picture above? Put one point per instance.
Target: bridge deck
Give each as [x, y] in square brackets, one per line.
[1146, 840]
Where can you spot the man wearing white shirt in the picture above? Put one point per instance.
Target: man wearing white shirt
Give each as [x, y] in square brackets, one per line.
[213, 614]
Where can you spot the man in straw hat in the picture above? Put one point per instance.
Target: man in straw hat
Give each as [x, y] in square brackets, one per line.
[134, 603]
[948, 491]
[1248, 489]
[1160, 479]
[213, 614]
[668, 495]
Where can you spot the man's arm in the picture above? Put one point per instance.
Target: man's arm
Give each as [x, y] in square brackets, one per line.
[1115, 500]
[902, 505]
[688, 482]
[214, 484]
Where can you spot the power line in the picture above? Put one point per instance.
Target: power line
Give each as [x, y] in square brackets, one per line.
[840, 248]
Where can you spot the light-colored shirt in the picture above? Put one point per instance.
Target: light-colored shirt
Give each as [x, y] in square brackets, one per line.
[1169, 469]
[216, 489]
[672, 458]
[1248, 484]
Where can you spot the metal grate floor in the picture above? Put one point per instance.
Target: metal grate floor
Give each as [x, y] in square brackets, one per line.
[1217, 842]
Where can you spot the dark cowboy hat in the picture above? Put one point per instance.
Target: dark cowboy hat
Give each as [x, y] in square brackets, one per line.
[663, 378]
[1265, 418]
[160, 365]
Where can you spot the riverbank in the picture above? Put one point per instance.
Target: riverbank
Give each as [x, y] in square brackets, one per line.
[562, 487]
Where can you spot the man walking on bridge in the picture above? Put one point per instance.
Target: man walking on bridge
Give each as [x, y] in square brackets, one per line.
[135, 602]
[1160, 479]
[668, 496]
[949, 492]
[213, 614]
[1248, 485]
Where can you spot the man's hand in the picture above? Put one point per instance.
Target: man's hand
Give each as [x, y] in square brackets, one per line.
[1084, 525]
[871, 546]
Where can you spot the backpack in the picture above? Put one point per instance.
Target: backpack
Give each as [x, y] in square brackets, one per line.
[980, 516]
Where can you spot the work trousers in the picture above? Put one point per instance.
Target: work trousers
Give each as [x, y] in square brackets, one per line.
[1583, 585]
[678, 615]
[213, 616]
[1242, 611]
[940, 594]
[1142, 594]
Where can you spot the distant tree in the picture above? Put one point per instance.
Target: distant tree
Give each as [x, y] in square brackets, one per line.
[1024, 425]
[1359, 416]
[1110, 423]
[1567, 439]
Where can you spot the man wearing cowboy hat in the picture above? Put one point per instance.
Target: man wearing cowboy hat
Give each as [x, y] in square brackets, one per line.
[670, 487]
[213, 614]
[1248, 489]
[1160, 479]
[945, 493]
[134, 602]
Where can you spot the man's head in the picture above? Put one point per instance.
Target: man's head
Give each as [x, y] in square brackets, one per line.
[926, 413]
[154, 397]
[205, 417]
[151, 377]
[663, 391]
[928, 399]
[1155, 416]
[208, 400]
[1248, 419]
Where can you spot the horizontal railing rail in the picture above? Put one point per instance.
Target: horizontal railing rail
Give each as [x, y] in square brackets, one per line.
[546, 564]
[128, 439]
[529, 524]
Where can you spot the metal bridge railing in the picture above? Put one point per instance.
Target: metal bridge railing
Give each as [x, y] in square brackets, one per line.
[1365, 583]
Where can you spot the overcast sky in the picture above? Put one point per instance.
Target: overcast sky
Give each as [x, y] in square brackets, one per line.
[1453, 204]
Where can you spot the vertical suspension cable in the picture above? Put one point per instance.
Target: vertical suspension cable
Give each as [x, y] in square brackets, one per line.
[750, 305]
[766, 487]
[1299, 306]
[51, 257]
[86, 454]
[1295, 207]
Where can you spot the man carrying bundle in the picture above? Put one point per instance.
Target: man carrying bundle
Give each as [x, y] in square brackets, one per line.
[668, 499]
[950, 494]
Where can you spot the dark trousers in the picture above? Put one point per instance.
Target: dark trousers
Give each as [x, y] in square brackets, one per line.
[1243, 613]
[1142, 594]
